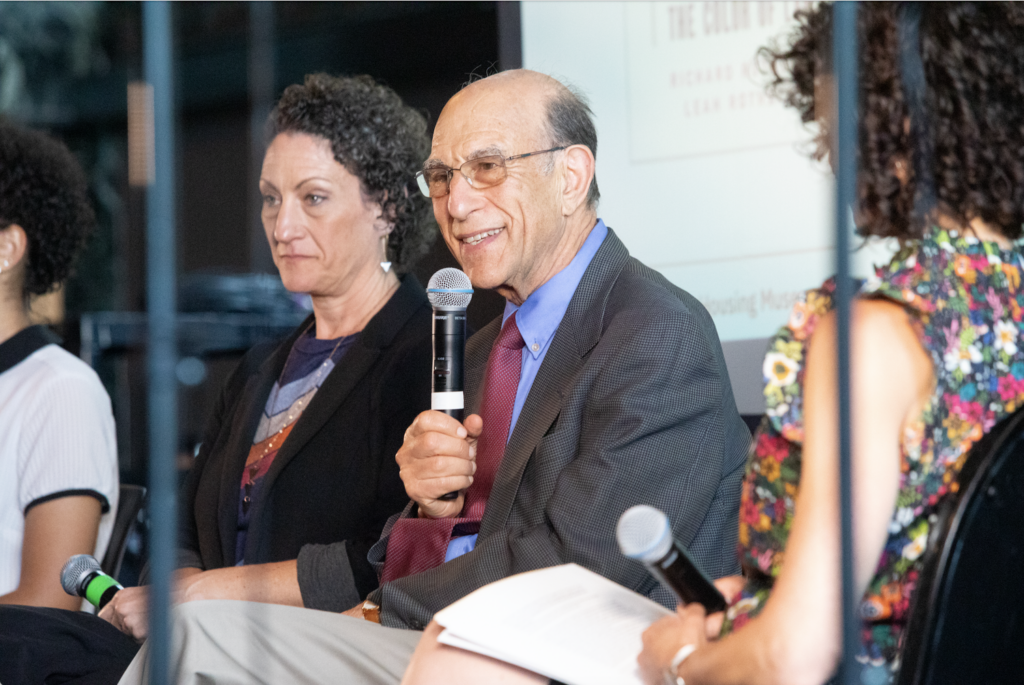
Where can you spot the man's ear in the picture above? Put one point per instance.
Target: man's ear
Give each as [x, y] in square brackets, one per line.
[579, 171]
[13, 246]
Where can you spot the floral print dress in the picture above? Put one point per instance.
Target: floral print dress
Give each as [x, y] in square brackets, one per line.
[966, 304]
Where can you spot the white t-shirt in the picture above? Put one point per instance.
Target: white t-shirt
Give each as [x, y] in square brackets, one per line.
[56, 440]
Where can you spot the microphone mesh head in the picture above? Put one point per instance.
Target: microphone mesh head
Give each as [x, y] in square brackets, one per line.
[643, 533]
[449, 289]
[75, 571]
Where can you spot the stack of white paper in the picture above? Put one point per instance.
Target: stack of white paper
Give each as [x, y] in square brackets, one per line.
[563, 622]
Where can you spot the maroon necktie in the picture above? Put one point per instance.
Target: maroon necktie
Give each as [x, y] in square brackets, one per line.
[415, 544]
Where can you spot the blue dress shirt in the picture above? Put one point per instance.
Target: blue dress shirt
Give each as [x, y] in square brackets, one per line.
[538, 320]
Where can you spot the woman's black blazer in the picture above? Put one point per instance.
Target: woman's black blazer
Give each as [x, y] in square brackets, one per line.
[335, 478]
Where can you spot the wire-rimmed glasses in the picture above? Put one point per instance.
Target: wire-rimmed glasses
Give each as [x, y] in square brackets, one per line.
[482, 172]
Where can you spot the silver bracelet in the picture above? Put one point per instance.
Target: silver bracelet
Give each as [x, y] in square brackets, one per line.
[672, 676]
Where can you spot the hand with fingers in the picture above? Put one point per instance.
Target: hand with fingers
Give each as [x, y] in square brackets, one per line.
[128, 611]
[439, 457]
[690, 628]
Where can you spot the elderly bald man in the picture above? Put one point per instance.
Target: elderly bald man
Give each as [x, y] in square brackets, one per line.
[601, 386]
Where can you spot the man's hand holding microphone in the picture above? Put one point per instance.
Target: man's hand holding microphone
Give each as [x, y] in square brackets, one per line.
[438, 457]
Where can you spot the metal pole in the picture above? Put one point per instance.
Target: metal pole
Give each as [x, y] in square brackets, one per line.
[162, 309]
[844, 46]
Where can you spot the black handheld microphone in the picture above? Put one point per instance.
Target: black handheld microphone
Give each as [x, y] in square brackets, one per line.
[644, 534]
[449, 291]
[83, 577]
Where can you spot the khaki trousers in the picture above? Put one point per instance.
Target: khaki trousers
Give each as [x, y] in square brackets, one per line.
[242, 643]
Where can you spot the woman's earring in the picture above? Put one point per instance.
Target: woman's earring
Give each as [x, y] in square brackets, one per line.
[385, 264]
[6, 264]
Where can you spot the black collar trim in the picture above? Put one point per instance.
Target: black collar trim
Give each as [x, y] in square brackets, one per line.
[15, 350]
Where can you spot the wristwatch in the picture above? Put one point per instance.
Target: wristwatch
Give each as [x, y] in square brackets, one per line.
[371, 611]
[672, 676]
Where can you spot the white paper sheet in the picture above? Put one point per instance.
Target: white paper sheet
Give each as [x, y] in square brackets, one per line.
[564, 622]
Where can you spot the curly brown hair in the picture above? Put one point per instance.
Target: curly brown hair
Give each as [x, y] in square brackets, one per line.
[973, 59]
[43, 190]
[378, 139]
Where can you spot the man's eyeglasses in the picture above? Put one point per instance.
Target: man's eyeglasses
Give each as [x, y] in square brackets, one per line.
[482, 172]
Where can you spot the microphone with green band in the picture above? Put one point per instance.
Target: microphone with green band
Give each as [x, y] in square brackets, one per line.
[83, 577]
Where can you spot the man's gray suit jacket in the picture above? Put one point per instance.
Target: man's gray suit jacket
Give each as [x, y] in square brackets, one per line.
[632, 405]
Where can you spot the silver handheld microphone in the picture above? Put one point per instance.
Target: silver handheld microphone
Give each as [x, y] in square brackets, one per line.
[644, 534]
[449, 291]
[83, 577]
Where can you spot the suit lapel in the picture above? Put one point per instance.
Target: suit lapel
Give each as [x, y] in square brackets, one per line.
[577, 334]
[560, 366]
[478, 351]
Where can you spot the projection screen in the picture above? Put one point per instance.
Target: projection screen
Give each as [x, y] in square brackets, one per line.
[703, 174]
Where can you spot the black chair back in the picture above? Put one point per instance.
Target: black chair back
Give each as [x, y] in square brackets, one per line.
[130, 499]
[967, 619]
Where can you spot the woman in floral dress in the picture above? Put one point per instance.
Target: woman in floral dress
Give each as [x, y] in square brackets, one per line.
[937, 358]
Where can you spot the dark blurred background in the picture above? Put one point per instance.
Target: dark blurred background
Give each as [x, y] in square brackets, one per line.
[65, 68]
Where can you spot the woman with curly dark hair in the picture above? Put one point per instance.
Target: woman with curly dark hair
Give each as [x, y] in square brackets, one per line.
[296, 474]
[937, 359]
[58, 457]
[937, 356]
